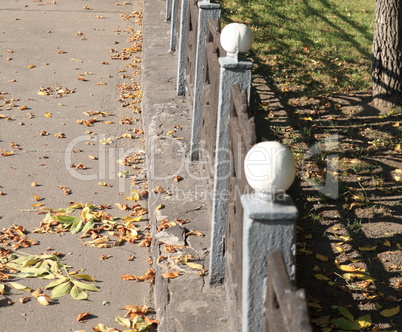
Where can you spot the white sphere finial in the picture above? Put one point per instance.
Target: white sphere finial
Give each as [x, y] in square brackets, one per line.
[269, 167]
[236, 38]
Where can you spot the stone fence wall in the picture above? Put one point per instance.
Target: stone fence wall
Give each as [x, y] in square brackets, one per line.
[252, 242]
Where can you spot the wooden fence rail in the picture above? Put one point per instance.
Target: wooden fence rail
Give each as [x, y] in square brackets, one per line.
[285, 307]
[210, 99]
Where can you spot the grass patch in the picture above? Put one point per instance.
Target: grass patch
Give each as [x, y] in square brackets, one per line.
[310, 47]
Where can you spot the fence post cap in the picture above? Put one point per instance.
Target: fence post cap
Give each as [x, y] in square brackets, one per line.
[269, 168]
[236, 38]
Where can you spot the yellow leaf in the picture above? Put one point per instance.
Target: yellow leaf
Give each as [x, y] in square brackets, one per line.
[307, 118]
[134, 196]
[345, 238]
[37, 198]
[348, 268]
[6, 154]
[121, 206]
[321, 277]
[321, 258]
[368, 248]
[387, 243]
[396, 124]
[390, 312]
[194, 266]
[340, 249]
[314, 305]
[131, 219]
[364, 321]
[362, 276]
[31, 66]
[48, 115]
[37, 205]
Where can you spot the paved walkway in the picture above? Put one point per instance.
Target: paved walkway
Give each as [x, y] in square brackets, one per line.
[60, 97]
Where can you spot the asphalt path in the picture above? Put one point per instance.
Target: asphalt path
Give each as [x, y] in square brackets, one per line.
[69, 119]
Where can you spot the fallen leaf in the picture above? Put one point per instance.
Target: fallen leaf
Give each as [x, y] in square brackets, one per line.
[37, 198]
[387, 243]
[44, 299]
[321, 276]
[31, 66]
[145, 242]
[197, 233]
[122, 207]
[48, 115]
[368, 248]
[83, 316]
[321, 257]
[195, 266]
[149, 276]
[24, 299]
[128, 220]
[390, 312]
[171, 275]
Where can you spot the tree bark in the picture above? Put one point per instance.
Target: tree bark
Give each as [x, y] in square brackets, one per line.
[387, 54]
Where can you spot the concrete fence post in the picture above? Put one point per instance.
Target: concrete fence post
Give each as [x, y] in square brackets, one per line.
[182, 55]
[174, 8]
[267, 226]
[207, 11]
[168, 15]
[232, 72]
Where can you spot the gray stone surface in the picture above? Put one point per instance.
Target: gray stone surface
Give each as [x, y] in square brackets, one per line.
[174, 236]
[185, 303]
[36, 32]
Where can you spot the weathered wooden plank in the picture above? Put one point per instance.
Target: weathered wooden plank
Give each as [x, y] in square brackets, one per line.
[286, 307]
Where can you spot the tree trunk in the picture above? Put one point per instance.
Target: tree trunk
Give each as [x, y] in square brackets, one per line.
[387, 54]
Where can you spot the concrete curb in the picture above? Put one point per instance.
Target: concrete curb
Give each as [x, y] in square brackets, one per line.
[185, 303]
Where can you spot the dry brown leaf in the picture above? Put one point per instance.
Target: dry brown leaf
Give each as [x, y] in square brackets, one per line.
[145, 242]
[197, 233]
[44, 299]
[177, 178]
[149, 276]
[83, 316]
[171, 275]
[24, 299]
